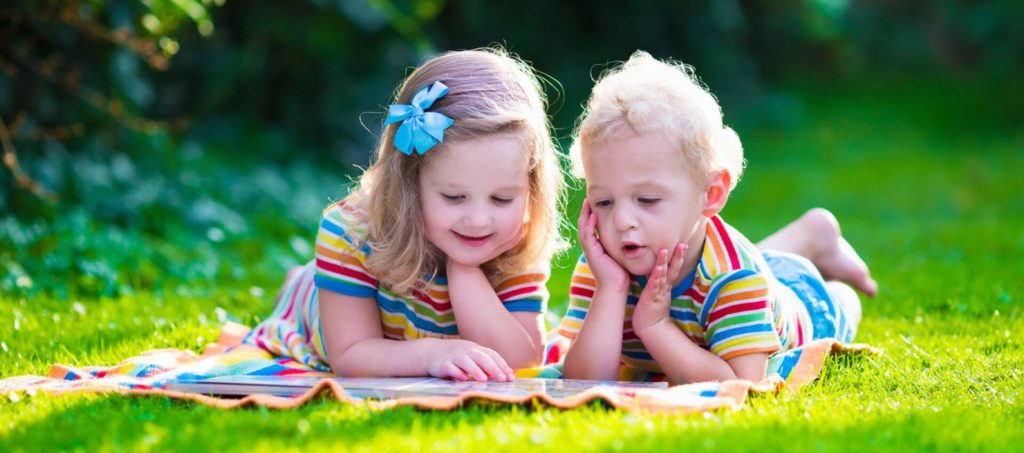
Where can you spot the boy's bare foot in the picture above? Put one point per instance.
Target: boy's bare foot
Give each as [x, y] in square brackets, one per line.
[817, 237]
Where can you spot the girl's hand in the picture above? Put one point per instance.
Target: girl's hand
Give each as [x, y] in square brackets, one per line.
[464, 360]
[655, 301]
[606, 270]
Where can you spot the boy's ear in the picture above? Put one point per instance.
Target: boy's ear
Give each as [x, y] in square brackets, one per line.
[717, 193]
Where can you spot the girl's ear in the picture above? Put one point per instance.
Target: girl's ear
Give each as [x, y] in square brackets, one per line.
[717, 193]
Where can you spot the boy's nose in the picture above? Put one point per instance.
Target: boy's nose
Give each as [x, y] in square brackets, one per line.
[624, 219]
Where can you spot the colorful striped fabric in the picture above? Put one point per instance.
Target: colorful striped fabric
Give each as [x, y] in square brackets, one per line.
[294, 329]
[730, 304]
[150, 372]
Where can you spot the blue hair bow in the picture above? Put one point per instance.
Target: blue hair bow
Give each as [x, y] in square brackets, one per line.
[420, 130]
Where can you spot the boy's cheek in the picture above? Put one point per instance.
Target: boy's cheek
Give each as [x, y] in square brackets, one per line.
[608, 243]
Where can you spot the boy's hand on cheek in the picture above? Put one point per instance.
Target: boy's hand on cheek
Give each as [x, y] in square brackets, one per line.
[606, 271]
[655, 301]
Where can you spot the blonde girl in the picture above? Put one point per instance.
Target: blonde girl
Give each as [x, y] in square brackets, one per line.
[436, 263]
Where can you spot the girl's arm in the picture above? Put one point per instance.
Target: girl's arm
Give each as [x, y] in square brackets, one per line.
[356, 346]
[683, 361]
[518, 337]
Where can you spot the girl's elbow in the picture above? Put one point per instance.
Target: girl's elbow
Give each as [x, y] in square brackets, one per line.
[532, 359]
[338, 367]
[342, 364]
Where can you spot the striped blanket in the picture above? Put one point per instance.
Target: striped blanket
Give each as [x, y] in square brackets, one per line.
[147, 374]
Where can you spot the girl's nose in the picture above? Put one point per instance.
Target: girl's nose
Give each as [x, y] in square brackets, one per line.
[477, 218]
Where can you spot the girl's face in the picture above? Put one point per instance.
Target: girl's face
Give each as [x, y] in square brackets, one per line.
[473, 195]
[645, 198]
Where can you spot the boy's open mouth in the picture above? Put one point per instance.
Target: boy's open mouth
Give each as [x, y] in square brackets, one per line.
[630, 250]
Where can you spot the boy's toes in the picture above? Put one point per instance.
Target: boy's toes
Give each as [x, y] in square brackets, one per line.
[869, 287]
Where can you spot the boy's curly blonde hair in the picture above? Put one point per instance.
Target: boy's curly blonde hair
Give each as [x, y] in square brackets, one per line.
[646, 95]
[489, 92]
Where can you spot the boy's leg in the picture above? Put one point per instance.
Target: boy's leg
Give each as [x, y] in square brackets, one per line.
[845, 296]
[817, 237]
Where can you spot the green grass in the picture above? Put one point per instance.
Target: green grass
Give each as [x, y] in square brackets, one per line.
[924, 179]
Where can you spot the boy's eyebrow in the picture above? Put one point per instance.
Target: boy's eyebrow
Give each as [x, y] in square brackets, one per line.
[635, 185]
[651, 184]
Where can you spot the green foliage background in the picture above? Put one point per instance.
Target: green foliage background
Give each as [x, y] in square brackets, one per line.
[182, 144]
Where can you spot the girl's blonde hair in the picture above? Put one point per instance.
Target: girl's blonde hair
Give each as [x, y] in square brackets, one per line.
[489, 92]
[647, 95]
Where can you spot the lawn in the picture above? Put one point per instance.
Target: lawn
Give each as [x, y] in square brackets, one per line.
[924, 177]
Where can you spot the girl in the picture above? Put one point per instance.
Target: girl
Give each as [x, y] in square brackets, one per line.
[436, 263]
[666, 288]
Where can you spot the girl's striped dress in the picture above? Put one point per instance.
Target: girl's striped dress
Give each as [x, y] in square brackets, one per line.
[294, 328]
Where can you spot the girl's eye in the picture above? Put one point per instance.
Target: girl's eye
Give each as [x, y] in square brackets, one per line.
[648, 200]
[501, 201]
[603, 203]
[452, 197]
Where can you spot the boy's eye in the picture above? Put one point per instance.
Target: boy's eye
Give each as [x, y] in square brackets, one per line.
[452, 197]
[603, 203]
[648, 200]
[501, 201]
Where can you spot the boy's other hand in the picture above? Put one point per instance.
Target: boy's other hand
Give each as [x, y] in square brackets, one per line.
[656, 299]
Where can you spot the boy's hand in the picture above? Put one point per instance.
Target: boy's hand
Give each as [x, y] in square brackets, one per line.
[464, 360]
[655, 301]
[606, 270]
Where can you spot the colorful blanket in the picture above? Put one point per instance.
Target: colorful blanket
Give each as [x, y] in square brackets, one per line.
[147, 374]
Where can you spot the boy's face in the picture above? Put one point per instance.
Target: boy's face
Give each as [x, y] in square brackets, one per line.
[473, 195]
[645, 197]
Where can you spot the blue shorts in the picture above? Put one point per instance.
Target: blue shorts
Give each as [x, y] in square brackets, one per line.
[828, 316]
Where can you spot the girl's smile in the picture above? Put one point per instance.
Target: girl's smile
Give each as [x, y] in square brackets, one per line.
[473, 241]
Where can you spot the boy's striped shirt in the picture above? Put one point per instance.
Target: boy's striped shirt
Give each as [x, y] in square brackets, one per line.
[730, 304]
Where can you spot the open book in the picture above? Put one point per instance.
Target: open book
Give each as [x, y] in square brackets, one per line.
[383, 388]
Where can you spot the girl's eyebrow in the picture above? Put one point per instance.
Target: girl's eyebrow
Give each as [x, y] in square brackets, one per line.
[514, 188]
[451, 186]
